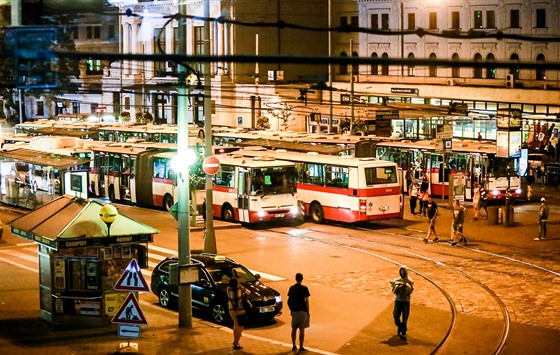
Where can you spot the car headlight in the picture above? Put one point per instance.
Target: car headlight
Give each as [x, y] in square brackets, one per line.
[261, 213]
[278, 299]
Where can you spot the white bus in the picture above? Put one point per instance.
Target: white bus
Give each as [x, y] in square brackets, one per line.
[245, 189]
[477, 161]
[342, 188]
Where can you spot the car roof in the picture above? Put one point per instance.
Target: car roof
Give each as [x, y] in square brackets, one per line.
[208, 260]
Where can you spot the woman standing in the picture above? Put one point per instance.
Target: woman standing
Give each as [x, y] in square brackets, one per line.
[413, 193]
[236, 295]
[476, 200]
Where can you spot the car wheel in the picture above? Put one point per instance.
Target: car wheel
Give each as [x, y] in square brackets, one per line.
[227, 213]
[220, 313]
[316, 213]
[164, 297]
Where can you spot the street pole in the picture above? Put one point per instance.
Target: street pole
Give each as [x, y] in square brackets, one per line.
[185, 297]
[402, 36]
[330, 71]
[506, 221]
[210, 237]
[351, 90]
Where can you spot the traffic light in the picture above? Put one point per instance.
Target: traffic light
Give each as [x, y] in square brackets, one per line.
[510, 81]
[35, 64]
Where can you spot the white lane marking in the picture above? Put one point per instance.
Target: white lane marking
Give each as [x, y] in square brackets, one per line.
[19, 265]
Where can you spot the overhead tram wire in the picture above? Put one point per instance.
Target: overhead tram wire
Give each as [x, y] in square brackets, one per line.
[293, 59]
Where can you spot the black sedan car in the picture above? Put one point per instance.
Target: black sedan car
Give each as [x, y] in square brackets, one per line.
[209, 294]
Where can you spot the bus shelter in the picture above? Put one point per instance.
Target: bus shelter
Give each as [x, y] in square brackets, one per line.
[81, 258]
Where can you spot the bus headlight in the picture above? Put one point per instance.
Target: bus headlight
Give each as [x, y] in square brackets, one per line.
[495, 193]
[518, 191]
[294, 210]
[261, 214]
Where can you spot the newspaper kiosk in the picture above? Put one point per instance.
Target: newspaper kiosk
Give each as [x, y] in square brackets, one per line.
[79, 260]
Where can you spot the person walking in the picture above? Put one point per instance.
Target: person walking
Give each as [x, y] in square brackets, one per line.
[298, 302]
[236, 295]
[529, 193]
[543, 218]
[475, 201]
[413, 193]
[423, 202]
[542, 174]
[402, 288]
[457, 223]
[432, 211]
[409, 176]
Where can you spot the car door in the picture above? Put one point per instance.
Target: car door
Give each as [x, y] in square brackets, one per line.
[202, 293]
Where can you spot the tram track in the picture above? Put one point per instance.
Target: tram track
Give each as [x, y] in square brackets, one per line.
[422, 262]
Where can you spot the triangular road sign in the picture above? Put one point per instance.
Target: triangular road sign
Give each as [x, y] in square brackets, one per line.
[132, 279]
[130, 312]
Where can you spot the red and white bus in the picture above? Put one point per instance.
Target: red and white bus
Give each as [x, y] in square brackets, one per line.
[246, 190]
[477, 161]
[343, 188]
[250, 190]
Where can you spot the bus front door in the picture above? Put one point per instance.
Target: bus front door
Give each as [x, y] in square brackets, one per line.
[242, 196]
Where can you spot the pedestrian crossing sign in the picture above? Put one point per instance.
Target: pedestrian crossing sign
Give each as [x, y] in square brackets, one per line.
[132, 279]
[130, 312]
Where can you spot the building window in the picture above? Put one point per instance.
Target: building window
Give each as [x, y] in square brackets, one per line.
[514, 70]
[355, 67]
[541, 18]
[385, 66]
[490, 70]
[93, 32]
[455, 20]
[455, 71]
[384, 21]
[343, 69]
[159, 42]
[514, 19]
[375, 21]
[541, 73]
[374, 67]
[343, 21]
[433, 68]
[477, 19]
[111, 32]
[411, 68]
[412, 21]
[354, 23]
[198, 40]
[433, 20]
[477, 71]
[40, 108]
[491, 19]
[93, 67]
[75, 32]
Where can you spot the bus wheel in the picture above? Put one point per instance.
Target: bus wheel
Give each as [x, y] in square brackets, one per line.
[167, 202]
[227, 213]
[316, 213]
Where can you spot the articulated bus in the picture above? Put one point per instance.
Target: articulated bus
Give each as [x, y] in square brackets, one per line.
[478, 161]
[342, 188]
[245, 189]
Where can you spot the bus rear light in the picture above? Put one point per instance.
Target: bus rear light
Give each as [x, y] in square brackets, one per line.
[363, 205]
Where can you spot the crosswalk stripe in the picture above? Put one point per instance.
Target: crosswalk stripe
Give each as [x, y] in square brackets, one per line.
[33, 259]
[19, 265]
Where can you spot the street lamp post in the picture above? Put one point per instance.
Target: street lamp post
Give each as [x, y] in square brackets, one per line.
[108, 214]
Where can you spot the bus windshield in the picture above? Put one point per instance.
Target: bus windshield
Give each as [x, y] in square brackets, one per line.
[273, 181]
[381, 175]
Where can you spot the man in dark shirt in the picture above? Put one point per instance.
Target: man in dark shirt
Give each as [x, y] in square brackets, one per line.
[298, 302]
[432, 210]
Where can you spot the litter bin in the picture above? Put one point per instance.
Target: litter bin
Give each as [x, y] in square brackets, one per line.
[508, 216]
[493, 215]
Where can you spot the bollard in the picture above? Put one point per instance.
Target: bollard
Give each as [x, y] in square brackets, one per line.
[493, 215]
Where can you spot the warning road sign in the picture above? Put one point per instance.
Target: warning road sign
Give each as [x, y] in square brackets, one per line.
[130, 312]
[132, 279]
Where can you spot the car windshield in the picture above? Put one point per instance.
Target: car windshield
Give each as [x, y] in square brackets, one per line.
[222, 274]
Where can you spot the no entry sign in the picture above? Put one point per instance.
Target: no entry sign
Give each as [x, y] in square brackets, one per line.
[211, 165]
